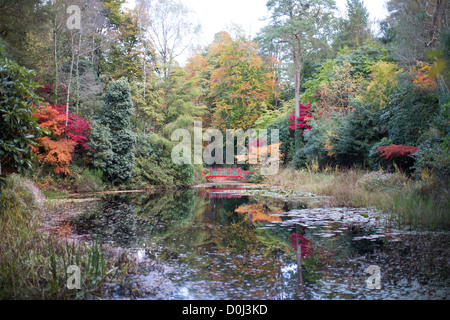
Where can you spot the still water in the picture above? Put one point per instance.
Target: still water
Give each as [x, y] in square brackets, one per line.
[227, 243]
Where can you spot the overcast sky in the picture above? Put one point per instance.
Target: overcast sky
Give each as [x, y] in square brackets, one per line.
[218, 15]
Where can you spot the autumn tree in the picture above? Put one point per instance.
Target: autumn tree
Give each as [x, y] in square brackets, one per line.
[340, 88]
[302, 121]
[198, 70]
[125, 53]
[170, 30]
[55, 148]
[182, 106]
[400, 155]
[303, 27]
[381, 84]
[241, 85]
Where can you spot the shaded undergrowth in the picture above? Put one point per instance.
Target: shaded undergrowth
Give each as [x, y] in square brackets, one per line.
[34, 265]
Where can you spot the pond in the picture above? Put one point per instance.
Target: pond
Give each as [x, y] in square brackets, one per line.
[224, 242]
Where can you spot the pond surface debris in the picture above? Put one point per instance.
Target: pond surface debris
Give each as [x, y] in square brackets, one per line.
[234, 242]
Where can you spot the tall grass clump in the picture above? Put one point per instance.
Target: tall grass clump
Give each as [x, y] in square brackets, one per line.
[418, 203]
[33, 265]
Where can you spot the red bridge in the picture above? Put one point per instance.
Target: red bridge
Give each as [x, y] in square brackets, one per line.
[226, 173]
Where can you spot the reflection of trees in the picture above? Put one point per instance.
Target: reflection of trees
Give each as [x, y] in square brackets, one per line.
[223, 248]
[129, 219]
[237, 236]
[299, 239]
[257, 212]
[242, 261]
[172, 206]
[114, 220]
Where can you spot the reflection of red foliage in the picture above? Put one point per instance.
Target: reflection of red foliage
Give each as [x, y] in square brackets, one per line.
[395, 151]
[305, 244]
[301, 123]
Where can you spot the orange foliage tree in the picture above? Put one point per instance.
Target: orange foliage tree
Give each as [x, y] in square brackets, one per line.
[259, 152]
[242, 85]
[56, 148]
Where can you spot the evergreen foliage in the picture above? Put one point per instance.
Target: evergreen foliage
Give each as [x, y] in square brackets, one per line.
[19, 128]
[410, 113]
[112, 138]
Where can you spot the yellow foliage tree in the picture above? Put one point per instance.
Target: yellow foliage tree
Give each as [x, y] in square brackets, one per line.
[338, 91]
[422, 78]
[381, 83]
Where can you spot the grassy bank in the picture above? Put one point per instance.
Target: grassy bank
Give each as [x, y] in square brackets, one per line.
[33, 265]
[423, 203]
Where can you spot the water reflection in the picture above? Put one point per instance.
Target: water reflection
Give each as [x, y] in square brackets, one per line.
[212, 244]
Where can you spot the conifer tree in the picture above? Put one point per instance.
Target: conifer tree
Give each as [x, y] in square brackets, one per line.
[112, 142]
[354, 30]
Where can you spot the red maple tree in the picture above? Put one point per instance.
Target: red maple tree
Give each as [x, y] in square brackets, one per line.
[301, 120]
[58, 146]
[395, 151]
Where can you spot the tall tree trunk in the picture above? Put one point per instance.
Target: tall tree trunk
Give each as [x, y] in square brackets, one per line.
[55, 62]
[78, 74]
[70, 81]
[440, 9]
[93, 50]
[296, 54]
[145, 69]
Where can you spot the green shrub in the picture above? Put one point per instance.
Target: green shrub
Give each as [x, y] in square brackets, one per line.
[355, 136]
[183, 174]
[317, 137]
[256, 178]
[89, 181]
[154, 167]
[300, 159]
[433, 155]
[286, 137]
[18, 126]
[410, 114]
[149, 172]
[112, 139]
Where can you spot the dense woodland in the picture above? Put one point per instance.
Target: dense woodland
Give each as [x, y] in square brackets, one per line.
[101, 101]
[362, 111]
